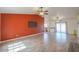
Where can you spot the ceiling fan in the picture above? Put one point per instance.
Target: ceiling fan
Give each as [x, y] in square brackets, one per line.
[57, 17]
[41, 11]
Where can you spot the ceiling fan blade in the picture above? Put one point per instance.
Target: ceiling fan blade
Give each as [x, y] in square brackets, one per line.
[38, 11]
[46, 13]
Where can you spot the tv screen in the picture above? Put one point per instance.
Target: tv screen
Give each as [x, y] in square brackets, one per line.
[32, 24]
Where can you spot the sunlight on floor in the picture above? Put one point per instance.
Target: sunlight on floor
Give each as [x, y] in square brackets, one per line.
[16, 47]
[61, 37]
[46, 37]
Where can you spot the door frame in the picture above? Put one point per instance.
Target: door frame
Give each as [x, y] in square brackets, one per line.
[62, 22]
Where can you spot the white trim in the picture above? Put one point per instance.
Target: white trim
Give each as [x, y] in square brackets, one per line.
[20, 37]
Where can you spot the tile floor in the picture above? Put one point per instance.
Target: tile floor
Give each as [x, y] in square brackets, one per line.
[45, 42]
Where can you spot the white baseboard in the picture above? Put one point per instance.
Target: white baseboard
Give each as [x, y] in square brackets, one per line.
[20, 37]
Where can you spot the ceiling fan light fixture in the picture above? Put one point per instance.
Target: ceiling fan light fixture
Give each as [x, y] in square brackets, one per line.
[57, 18]
[41, 11]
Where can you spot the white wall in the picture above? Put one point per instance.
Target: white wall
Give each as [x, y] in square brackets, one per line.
[71, 24]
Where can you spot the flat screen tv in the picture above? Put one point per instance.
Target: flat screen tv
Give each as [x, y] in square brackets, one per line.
[32, 24]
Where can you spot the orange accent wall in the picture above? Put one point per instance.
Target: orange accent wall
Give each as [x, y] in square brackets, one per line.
[0, 27]
[16, 25]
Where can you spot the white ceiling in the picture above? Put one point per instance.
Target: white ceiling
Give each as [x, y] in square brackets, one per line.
[20, 10]
[68, 12]
[52, 11]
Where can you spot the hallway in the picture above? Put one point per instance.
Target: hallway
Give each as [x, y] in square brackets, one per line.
[44, 42]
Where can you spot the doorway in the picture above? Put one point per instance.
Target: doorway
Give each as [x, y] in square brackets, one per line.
[61, 27]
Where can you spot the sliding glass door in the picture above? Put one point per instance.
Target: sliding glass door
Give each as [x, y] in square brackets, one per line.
[61, 27]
